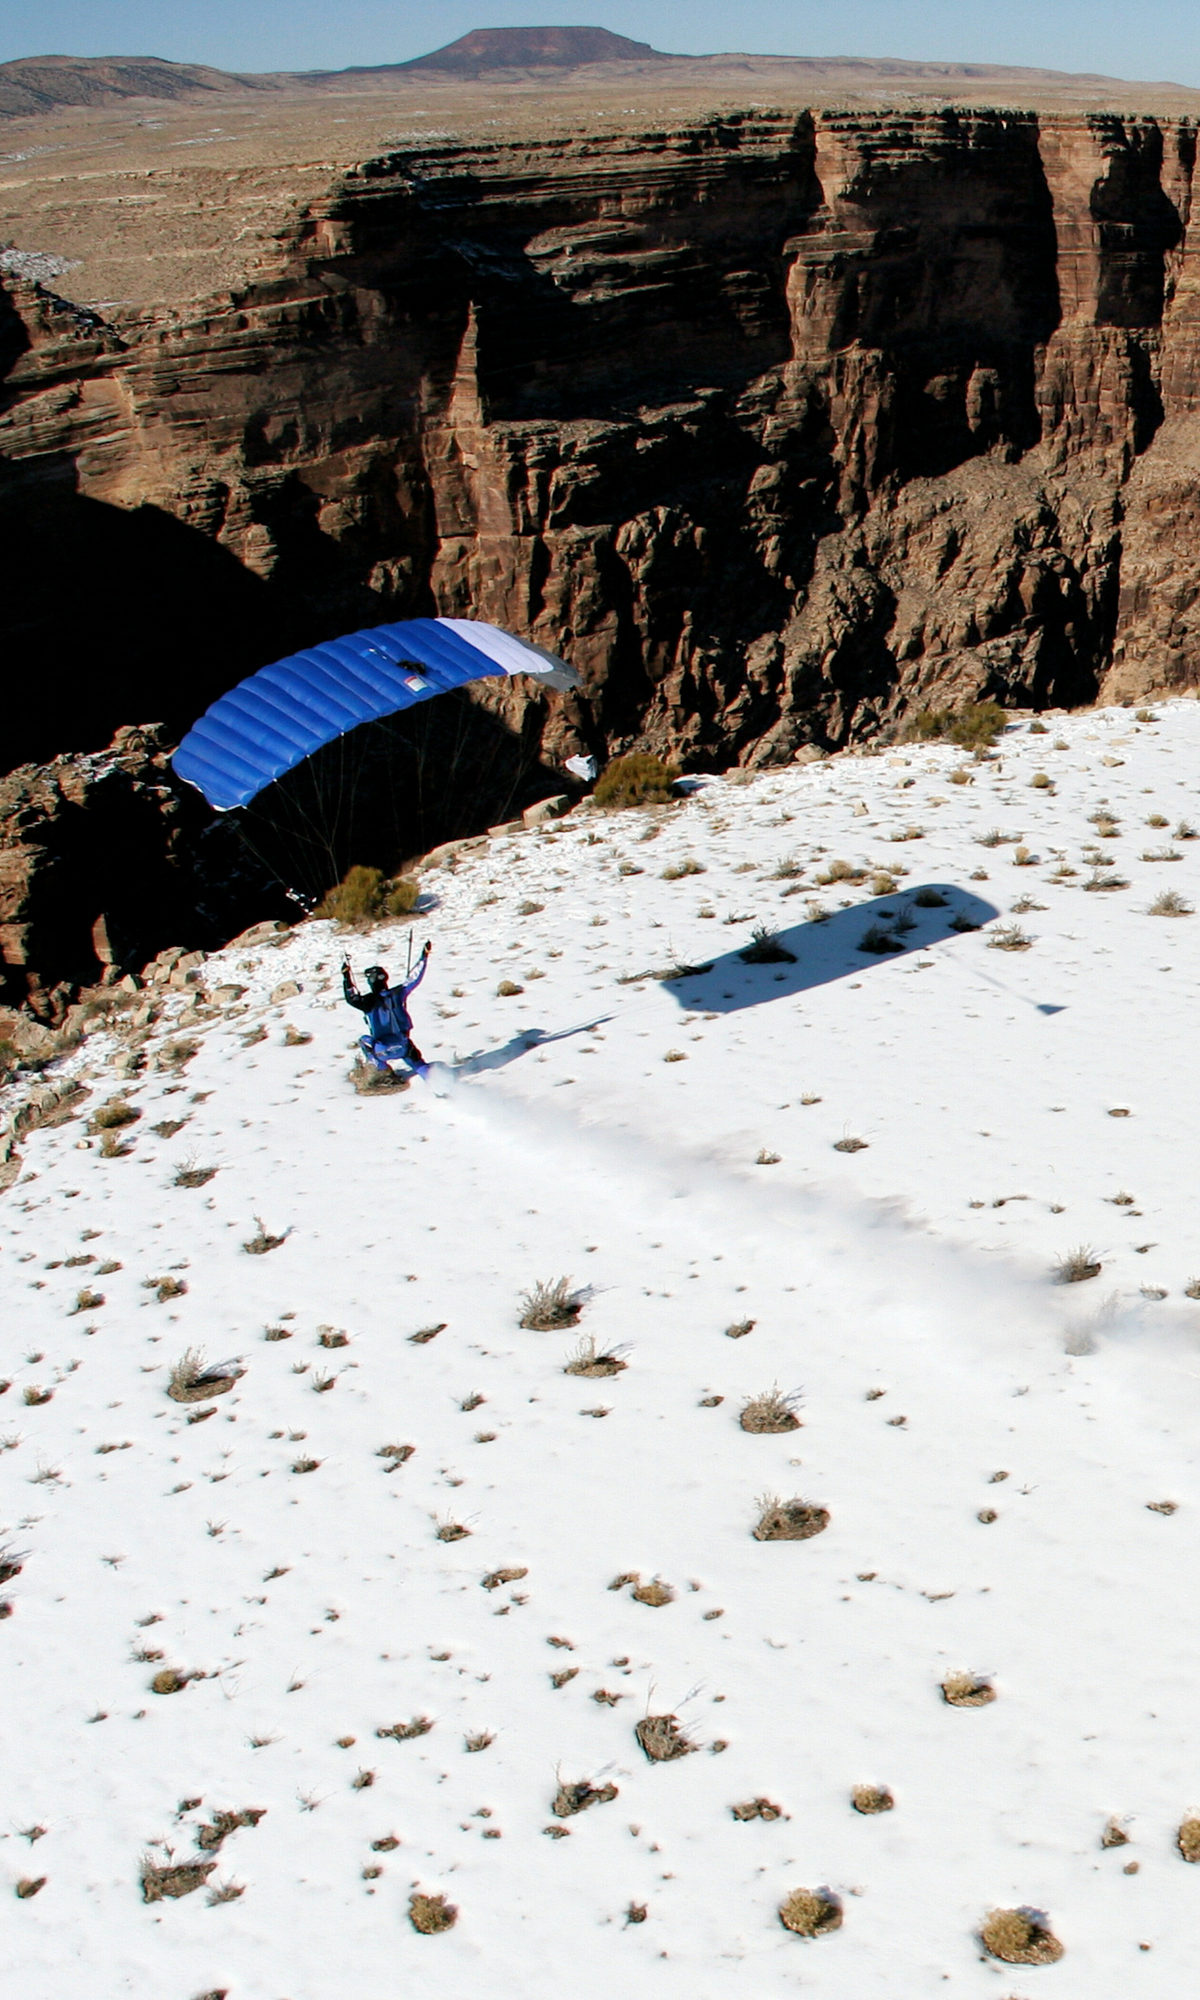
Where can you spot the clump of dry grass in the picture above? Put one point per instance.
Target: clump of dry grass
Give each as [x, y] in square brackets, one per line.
[757, 1809]
[1170, 904]
[591, 1361]
[1020, 1937]
[364, 896]
[508, 989]
[1114, 1834]
[262, 1241]
[430, 1914]
[405, 1732]
[662, 1739]
[452, 1531]
[1010, 937]
[764, 948]
[112, 1116]
[811, 1912]
[678, 870]
[175, 1878]
[213, 1835]
[371, 1082]
[740, 1328]
[840, 871]
[1077, 1266]
[654, 1593]
[876, 938]
[165, 1288]
[192, 1382]
[193, 1176]
[635, 780]
[549, 1305]
[169, 1680]
[1105, 879]
[1188, 1839]
[87, 1301]
[577, 1798]
[770, 1414]
[962, 923]
[789, 1520]
[963, 1690]
[482, 1739]
[395, 1454]
[872, 1799]
[850, 1145]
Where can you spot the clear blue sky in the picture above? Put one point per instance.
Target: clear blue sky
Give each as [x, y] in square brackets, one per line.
[1156, 39]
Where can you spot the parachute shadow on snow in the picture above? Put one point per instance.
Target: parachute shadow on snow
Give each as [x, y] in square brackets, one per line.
[831, 948]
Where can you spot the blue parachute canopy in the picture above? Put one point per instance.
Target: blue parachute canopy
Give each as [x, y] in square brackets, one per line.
[277, 718]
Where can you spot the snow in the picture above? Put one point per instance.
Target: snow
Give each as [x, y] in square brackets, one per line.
[322, 1606]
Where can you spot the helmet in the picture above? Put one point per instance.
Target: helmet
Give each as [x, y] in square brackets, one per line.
[374, 972]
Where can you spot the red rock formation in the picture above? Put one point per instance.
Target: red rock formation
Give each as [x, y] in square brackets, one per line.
[779, 427]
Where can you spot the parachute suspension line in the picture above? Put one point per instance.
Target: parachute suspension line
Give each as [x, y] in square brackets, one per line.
[293, 894]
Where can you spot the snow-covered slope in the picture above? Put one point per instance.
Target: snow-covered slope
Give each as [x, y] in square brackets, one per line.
[1008, 1463]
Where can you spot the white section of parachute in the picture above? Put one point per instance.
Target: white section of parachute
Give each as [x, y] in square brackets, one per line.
[513, 655]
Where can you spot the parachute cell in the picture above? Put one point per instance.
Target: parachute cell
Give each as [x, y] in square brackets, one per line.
[282, 714]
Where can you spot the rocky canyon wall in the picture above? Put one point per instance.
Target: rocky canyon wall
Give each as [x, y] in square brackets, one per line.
[779, 427]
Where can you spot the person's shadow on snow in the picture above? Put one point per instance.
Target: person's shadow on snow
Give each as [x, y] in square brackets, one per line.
[520, 1045]
[777, 964]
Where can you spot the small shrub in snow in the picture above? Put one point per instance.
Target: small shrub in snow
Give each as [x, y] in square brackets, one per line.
[1077, 1266]
[678, 870]
[191, 1176]
[961, 1690]
[769, 1414]
[764, 948]
[481, 1740]
[364, 896]
[840, 871]
[929, 899]
[757, 1809]
[789, 1520]
[261, 1241]
[430, 1914]
[173, 1879]
[590, 1361]
[878, 940]
[371, 1082]
[548, 1305]
[811, 1913]
[655, 1593]
[191, 1381]
[1170, 904]
[1010, 937]
[1188, 1839]
[740, 1328]
[508, 989]
[407, 1732]
[1020, 1937]
[112, 1116]
[636, 780]
[970, 728]
[1100, 879]
[849, 1145]
[29, 1885]
[1114, 1834]
[577, 1798]
[452, 1531]
[872, 1799]
[662, 1739]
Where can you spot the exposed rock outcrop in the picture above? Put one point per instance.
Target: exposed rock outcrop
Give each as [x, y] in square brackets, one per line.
[779, 426]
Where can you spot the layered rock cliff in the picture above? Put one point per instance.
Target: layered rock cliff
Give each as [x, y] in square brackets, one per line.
[780, 427]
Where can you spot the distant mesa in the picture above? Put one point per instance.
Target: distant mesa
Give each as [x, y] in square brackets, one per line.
[52, 83]
[534, 48]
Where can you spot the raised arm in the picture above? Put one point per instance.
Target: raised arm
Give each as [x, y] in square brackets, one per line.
[349, 993]
[410, 985]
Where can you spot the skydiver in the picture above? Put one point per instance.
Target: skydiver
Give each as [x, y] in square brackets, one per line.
[389, 1037]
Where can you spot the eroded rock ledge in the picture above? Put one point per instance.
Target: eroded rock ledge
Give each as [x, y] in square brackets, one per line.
[779, 426]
